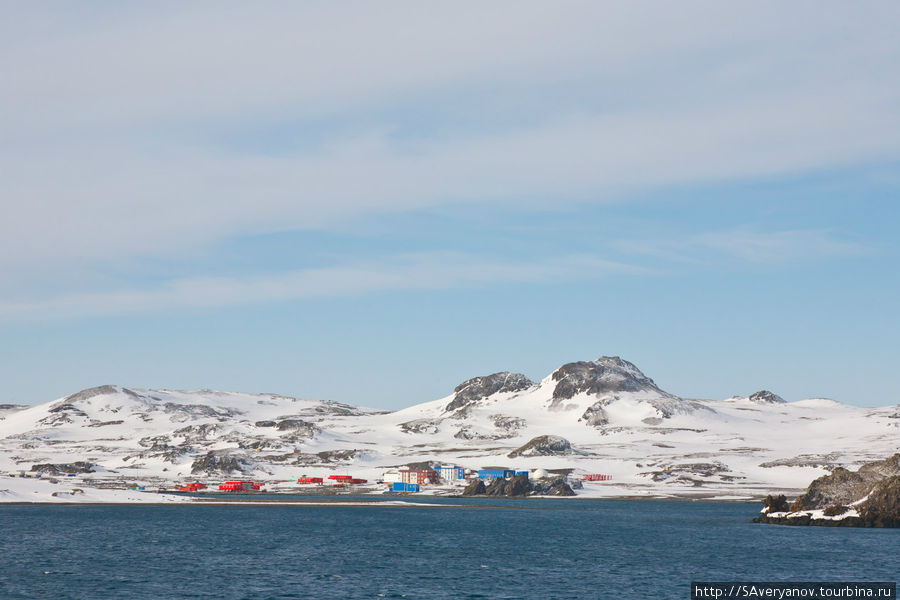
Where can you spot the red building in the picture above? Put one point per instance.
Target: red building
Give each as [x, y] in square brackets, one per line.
[241, 486]
[418, 476]
[192, 487]
[306, 479]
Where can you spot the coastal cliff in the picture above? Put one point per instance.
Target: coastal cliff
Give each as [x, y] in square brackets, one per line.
[868, 497]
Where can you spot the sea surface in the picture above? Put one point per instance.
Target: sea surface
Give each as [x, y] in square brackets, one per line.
[450, 548]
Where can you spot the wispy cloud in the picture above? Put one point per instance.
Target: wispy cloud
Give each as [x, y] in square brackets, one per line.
[431, 271]
[747, 245]
[111, 124]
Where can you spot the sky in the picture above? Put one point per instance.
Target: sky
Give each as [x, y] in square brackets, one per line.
[373, 202]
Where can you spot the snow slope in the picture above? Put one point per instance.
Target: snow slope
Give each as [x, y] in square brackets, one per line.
[616, 421]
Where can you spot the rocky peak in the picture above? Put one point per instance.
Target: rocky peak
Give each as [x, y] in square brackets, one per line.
[478, 388]
[766, 397]
[100, 390]
[607, 374]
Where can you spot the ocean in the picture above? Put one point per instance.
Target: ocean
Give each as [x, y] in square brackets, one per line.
[450, 548]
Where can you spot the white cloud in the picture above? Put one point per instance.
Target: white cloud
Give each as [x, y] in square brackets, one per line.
[433, 271]
[100, 157]
[748, 245]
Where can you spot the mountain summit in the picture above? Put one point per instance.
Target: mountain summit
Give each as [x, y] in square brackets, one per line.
[607, 374]
[478, 388]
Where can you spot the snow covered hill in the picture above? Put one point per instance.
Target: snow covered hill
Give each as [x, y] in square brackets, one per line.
[601, 416]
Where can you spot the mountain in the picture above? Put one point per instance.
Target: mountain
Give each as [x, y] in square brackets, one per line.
[601, 416]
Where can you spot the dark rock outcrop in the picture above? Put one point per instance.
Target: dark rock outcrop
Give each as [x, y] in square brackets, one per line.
[421, 426]
[766, 397]
[219, 462]
[607, 374]
[696, 474]
[507, 426]
[560, 488]
[833, 510]
[325, 457]
[106, 423]
[885, 468]
[517, 487]
[473, 390]
[841, 487]
[873, 492]
[199, 432]
[64, 468]
[882, 506]
[776, 503]
[543, 445]
[297, 429]
[511, 488]
[475, 487]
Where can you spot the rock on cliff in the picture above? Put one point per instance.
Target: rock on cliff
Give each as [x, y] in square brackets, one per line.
[868, 497]
[477, 388]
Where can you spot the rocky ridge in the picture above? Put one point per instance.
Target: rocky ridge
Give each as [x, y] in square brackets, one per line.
[867, 497]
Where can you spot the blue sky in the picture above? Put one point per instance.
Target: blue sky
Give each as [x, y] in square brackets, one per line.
[372, 204]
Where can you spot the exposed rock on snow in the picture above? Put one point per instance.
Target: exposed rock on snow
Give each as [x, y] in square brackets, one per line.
[63, 469]
[466, 433]
[507, 426]
[828, 461]
[299, 427]
[694, 474]
[543, 445]
[327, 457]
[595, 416]
[840, 487]
[220, 462]
[8, 409]
[766, 397]
[868, 497]
[87, 394]
[560, 488]
[196, 433]
[605, 375]
[420, 426]
[479, 388]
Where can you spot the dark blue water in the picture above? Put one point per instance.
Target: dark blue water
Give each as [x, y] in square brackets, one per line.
[563, 549]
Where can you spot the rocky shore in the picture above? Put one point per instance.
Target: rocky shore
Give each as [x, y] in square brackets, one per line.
[519, 486]
[868, 497]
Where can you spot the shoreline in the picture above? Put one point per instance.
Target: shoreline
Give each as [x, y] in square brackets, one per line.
[392, 502]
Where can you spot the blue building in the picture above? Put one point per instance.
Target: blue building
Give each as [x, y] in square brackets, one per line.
[400, 486]
[488, 474]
